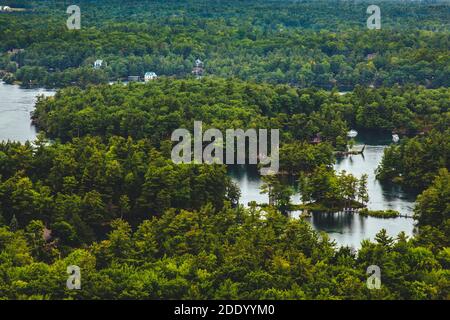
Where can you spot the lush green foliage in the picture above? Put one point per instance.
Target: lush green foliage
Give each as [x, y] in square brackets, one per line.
[265, 41]
[225, 254]
[433, 205]
[78, 188]
[415, 162]
[324, 186]
[155, 109]
[105, 196]
[180, 233]
[379, 213]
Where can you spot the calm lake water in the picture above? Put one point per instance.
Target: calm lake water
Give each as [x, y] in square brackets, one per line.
[15, 107]
[347, 228]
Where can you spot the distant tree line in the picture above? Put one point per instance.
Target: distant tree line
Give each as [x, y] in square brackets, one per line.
[275, 42]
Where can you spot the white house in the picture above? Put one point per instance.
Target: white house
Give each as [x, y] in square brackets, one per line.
[150, 76]
[198, 63]
[198, 69]
[5, 9]
[98, 64]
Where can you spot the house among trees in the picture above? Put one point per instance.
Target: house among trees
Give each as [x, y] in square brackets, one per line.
[198, 69]
[316, 139]
[15, 51]
[98, 64]
[133, 78]
[46, 234]
[199, 63]
[150, 76]
[371, 56]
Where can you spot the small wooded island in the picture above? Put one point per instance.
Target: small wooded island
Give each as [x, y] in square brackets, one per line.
[98, 193]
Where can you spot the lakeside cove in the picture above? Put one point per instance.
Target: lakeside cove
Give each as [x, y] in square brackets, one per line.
[345, 227]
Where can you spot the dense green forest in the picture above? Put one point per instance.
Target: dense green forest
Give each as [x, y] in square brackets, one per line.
[154, 110]
[302, 43]
[415, 162]
[79, 187]
[111, 201]
[232, 253]
[98, 188]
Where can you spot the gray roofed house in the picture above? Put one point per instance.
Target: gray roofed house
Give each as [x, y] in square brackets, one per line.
[150, 76]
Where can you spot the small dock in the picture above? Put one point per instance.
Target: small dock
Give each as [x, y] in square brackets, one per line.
[352, 151]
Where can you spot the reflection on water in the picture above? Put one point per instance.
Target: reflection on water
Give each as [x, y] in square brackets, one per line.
[381, 196]
[347, 228]
[15, 107]
[249, 181]
[350, 228]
